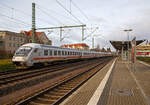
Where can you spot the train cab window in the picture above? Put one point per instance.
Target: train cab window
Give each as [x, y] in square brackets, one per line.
[46, 52]
[55, 53]
[50, 52]
[35, 50]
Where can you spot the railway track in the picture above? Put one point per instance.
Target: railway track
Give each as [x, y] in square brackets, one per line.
[41, 67]
[16, 81]
[9, 78]
[56, 94]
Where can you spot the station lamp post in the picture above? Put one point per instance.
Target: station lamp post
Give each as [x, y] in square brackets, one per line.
[128, 30]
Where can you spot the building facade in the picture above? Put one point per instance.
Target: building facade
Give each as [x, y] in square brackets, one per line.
[40, 37]
[143, 50]
[81, 46]
[11, 41]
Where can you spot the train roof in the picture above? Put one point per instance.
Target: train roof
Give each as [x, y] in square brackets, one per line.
[36, 45]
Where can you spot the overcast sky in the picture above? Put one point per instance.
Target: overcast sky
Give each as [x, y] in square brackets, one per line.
[110, 16]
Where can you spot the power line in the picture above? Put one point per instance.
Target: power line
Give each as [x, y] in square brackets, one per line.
[22, 22]
[47, 9]
[48, 14]
[80, 10]
[69, 12]
[20, 11]
[16, 25]
[16, 9]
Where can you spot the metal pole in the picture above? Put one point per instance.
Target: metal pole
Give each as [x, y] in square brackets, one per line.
[60, 33]
[122, 53]
[33, 24]
[82, 33]
[128, 44]
[135, 55]
[93, 42]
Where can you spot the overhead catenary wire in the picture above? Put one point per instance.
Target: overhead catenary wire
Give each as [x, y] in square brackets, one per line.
[20, 21]
[69, 12]
[27, 14]
[54, 12]
[17, 25]
[48, 14]
[80, 10]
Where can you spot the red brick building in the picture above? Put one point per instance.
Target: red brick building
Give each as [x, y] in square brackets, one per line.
[82, 46]
[40, 37]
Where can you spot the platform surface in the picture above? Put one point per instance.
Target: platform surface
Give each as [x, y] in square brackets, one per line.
[125, 86]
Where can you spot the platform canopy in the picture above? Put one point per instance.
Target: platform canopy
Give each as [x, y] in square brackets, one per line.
[119, 44]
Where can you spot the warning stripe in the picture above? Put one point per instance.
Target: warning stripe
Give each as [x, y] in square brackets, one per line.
[45, 58]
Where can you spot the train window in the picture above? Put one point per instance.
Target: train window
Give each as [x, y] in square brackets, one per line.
[50, 52]
[45, 52]
[65, 52]
[55, 53]
[62, 52]
[39, 53]
[35, 50]
[59, 52]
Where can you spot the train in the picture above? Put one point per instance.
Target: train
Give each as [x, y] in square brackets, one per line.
[31, 54]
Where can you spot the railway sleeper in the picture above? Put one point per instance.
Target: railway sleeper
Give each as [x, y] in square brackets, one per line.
[51, 96]
[64, 88]
[55, 93]
[60, 90]
[67, 86]
[38, 103]
[46, 100]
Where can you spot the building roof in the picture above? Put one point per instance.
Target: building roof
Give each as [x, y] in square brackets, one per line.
[76, 45]
[29, 33]
[118, 44]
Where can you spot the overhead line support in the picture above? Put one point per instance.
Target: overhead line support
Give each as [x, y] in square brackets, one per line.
[33, 24]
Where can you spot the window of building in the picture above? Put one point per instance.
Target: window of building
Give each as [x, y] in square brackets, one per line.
[9, 37]
[14, 39]
[9, 44]
[1, 44]
[14, 45]
[46, 52]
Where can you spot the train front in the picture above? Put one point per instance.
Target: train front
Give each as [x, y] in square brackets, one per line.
[21, 56]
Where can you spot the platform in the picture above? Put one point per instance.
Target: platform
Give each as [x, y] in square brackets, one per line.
[123, 86]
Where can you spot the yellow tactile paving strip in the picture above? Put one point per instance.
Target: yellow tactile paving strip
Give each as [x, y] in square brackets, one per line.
[122, 88]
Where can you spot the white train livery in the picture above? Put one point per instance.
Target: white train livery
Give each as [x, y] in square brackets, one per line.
[33, 53]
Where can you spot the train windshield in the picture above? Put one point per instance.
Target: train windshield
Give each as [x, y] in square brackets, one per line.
[23, 51]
